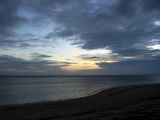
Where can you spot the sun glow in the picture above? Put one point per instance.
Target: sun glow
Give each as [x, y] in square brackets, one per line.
[111, 61]
[84, 65]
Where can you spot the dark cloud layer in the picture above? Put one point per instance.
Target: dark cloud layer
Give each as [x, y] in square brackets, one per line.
[10, 65]
[152, 5]
[120, 27]
[9, 17]
[96, 24]
[132, 67]
[37, 56]
[8, 13]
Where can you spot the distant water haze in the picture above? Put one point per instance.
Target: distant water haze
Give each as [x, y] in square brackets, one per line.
[19, 90]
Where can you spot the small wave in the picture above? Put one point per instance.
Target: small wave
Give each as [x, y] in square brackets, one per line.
[82, 96]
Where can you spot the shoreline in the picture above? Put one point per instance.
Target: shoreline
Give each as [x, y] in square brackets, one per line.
[72, 98]
[115, 102]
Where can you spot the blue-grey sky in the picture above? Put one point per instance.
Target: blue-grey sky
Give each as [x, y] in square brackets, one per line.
[79, 37]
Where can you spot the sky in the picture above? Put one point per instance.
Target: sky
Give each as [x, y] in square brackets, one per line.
[79, 37]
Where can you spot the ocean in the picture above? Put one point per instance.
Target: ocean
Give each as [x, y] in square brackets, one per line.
[20, 90]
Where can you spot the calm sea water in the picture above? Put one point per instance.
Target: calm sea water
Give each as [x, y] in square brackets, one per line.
[19, 90]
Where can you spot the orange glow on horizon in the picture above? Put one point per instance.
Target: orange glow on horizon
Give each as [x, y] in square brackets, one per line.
[111, 61]
[83, 64]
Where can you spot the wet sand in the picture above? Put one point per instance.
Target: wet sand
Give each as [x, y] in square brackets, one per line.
[120, 103]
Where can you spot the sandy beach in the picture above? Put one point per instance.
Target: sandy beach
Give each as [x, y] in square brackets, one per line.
[120, 103]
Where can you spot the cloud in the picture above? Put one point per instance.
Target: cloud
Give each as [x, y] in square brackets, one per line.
[88, 57]
[125, 8]
[126, 68]
[132, 67]
[37, 56]
[8, 13]
[90, 24]
[121, 27]
[17, 43]
[51, 3]
[6, 32]
[9, 17]
[10, 65]
[152, 5]
[92, 57]
[125, 27]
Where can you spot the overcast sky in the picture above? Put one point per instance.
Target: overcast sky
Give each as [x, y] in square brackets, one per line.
[79, 37]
